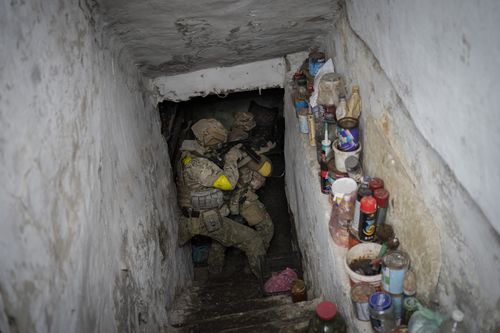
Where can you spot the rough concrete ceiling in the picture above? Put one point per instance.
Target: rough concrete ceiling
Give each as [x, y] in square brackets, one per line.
[168, 37]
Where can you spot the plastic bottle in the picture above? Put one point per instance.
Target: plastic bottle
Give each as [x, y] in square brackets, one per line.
[326, 143]
[354, 103]
[341, 110]
[453, 324]
[327, 320]
[424, 321]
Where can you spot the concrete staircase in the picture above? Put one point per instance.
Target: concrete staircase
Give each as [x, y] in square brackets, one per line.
[235, 304]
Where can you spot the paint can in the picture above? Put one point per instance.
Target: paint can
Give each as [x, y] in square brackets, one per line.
[316, 60]
[303, 126]
[410, 305]
[348, 134]
[341, 156]
[394, 267]
[360, 294]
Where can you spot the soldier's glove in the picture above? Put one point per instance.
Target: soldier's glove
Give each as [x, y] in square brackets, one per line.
[234, 154]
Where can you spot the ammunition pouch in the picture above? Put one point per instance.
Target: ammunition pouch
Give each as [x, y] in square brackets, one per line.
[212, 219]
[209, 199]
[253, 212]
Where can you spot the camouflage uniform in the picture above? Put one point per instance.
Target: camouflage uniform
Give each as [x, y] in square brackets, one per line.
[245, 202]
[200, 174]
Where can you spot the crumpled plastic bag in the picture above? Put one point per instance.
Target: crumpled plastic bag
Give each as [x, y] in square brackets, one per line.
[281, 282]
[325, 69]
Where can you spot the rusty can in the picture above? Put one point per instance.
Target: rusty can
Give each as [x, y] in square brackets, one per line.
[394, 267]
[360, 294]
[299, 293]
[410, 305]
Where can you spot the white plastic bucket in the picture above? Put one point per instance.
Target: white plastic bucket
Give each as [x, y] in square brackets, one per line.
[363, 251]
[341, 156]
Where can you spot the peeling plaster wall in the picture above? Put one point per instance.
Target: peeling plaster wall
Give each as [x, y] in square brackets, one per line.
[428, 76]
[88, 207]
[222, 80]
[181, 36]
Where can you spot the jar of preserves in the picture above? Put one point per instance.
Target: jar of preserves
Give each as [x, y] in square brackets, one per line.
[327, 320]
[299, 293]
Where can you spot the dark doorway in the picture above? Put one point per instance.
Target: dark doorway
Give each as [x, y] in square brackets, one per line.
[267, 107]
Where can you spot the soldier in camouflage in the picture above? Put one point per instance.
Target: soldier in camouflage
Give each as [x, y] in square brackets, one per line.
[200, 185]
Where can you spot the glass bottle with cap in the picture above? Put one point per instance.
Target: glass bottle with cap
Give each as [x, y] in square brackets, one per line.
[381, 312]
[327, 320]
[453, 324]
[381, 195]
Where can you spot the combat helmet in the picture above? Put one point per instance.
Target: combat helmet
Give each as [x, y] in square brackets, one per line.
[209, 132]
[244, 120]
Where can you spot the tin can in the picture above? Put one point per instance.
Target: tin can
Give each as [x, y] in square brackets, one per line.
[348, 134]
[360, 294]
[303, 126]
[409, 307]
[394, 267]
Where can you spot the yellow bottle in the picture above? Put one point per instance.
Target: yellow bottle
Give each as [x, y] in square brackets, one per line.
[354, 103]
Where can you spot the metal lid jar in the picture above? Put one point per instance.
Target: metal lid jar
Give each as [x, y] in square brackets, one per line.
[381, 312]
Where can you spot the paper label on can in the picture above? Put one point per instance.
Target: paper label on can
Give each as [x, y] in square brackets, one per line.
[362, 310]
[392, 279]
[303, 127]
[348, 138]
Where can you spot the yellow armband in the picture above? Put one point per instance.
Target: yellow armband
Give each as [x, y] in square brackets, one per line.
[222, 183]
[266, 169]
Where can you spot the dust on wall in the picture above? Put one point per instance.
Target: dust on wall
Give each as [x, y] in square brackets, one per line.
[88, 207]
[442, 223]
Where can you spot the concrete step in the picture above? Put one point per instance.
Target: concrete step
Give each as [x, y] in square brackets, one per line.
[284, 315]
[298, 325]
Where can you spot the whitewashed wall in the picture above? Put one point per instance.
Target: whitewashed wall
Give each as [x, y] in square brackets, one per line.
[221, 80]
[87, 204]
[428, 76]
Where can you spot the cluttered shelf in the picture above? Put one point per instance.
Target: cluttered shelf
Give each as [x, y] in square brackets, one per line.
[340, 214]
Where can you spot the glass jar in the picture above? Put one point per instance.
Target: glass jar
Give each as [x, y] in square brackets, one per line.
[327, 320]
[382, 313]
[299, 293]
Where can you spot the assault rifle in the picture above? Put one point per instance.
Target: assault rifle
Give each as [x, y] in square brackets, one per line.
[218, 156]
